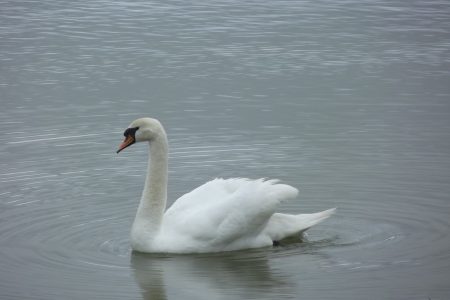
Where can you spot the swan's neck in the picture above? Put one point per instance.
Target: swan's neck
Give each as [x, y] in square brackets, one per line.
[153, 201]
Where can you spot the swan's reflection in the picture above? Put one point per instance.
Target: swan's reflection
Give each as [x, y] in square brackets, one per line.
[245, 275]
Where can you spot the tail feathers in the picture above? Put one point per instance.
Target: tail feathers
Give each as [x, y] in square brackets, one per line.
[309, 220]
[281, 226]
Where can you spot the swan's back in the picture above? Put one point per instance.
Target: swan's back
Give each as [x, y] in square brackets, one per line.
[229, 191]
[224, 214]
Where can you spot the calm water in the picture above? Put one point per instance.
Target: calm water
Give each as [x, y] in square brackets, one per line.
[347, 100]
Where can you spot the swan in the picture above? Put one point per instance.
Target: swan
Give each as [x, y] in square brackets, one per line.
[220, 215]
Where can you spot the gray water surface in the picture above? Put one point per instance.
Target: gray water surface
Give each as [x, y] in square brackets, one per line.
[346, 100]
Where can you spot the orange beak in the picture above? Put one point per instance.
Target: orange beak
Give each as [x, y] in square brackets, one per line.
[129, 140]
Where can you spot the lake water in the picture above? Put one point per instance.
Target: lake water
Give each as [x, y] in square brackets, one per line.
[347, 100]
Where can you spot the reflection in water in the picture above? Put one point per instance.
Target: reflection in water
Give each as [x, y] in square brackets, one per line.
[223, 274]
[149, 275]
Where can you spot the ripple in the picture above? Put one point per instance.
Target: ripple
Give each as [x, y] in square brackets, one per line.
[54, 237]
[390, 237]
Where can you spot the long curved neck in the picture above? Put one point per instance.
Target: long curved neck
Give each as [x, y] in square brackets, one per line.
[153, 201]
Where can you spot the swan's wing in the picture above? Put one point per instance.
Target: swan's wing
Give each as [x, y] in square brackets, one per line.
[222, 211]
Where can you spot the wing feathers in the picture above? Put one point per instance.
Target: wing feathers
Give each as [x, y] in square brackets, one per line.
[225, 210]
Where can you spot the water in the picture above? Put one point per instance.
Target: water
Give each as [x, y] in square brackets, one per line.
[347, 100]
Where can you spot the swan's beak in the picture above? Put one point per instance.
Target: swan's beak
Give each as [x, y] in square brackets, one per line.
[129, 140]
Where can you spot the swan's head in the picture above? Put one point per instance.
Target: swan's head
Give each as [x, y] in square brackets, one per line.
[140, 130]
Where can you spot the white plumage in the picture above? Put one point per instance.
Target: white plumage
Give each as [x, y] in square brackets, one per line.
[220, 215]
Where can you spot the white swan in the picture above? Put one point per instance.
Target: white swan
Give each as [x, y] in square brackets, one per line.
[220, 215]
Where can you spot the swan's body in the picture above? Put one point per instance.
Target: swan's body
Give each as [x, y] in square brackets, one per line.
[220, 215]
